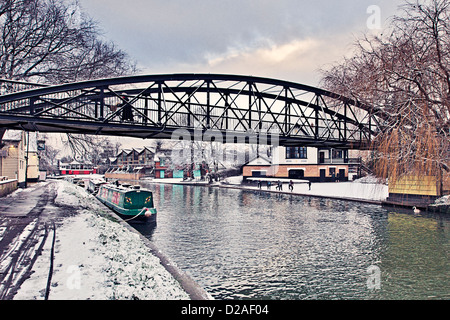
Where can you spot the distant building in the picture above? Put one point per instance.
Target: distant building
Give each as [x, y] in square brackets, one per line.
[163, 164]
[18, 153]
[132, 164]
[134, 158]
[306, 163]
[76, 167]
[259, 167]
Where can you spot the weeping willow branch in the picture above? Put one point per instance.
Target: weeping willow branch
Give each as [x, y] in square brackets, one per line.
[404, 73]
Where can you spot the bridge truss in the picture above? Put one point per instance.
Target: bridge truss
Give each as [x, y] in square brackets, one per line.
[155, 106]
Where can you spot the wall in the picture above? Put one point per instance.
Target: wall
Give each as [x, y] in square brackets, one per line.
[124, 176]
[33, 167]
[446, 183]
[8, 186]
[414, 185]
[311, 171]
[280, 157]
[13, 166]
[247, 170]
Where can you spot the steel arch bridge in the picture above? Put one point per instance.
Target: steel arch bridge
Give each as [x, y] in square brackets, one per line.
[155, 106]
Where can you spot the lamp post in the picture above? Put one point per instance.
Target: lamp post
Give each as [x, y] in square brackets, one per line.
[26, 159]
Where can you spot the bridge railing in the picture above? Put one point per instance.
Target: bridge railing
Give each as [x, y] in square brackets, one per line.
[11, 86]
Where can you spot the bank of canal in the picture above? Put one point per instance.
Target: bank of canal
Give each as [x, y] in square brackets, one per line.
[241, 244]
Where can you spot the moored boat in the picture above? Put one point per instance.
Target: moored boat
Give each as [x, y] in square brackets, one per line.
[94, 185]
[129, 202]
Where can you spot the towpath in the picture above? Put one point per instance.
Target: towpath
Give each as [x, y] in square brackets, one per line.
[27, 218]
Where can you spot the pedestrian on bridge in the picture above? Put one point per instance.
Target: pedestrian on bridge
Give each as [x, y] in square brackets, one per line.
[127, 111]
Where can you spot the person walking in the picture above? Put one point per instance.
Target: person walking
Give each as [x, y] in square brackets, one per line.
[127, 111]
[280, 185]
[291, 185]
[309, 185]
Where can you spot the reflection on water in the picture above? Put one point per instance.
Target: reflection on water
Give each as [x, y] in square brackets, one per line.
[251, 245]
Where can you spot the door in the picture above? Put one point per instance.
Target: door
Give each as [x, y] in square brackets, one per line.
[341, 174]
[333, 174]
[323, 173]
[321, 157]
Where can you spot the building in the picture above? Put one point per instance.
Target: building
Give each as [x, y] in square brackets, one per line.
[76, 167]
[134, 158]
[259, 167]
[18, 153]
[307, 163]
[163, 164]
[132, 164]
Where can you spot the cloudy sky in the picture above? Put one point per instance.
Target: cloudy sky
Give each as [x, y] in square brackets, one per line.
[284, 39]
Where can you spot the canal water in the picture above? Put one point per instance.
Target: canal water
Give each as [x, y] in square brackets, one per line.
[254, 245]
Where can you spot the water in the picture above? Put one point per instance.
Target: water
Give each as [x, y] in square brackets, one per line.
[250, 245]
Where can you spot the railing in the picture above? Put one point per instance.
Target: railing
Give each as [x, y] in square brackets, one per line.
[11, 86]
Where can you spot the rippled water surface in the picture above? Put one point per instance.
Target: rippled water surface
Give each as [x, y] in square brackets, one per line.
[250, 245]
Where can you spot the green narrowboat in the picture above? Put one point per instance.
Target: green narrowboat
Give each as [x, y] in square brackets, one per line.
[130, 202]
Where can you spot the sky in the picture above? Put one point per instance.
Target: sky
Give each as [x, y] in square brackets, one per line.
[283, 39]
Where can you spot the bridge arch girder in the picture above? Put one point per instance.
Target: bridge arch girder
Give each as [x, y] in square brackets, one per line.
[158, 105]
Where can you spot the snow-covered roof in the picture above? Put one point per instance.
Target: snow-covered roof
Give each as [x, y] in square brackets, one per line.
[16, 136]
[138, 150]
[12, 135]
[260, 161]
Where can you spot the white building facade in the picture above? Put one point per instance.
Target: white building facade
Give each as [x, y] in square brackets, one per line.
[307, 163]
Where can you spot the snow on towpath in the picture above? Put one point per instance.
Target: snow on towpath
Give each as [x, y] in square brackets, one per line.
[365, 189]
[97, 258]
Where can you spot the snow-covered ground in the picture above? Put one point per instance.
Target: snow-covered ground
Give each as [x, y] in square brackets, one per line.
[353, 190]
[97, 258]
[367, 188]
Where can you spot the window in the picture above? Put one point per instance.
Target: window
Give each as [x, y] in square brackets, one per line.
[296, 153]
[332, 172]
[337, 154]
[296, 173]
[259, 173]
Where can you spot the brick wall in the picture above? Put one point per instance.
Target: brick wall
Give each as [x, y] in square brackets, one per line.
[247, 170]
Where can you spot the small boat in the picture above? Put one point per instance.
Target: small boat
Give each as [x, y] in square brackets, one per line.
[94, 185]
[129, 202]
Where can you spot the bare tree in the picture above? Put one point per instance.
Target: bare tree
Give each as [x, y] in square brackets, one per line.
[53, 41]
[404, 74]
[93, 149]
[47, 159]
